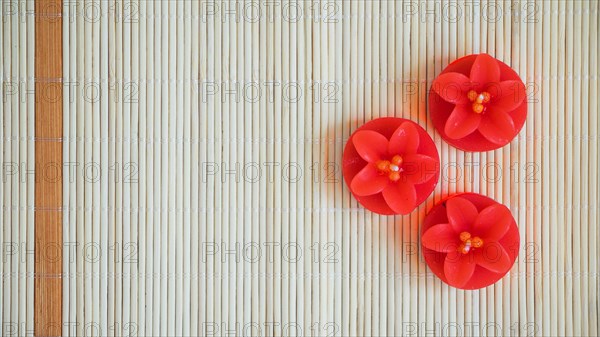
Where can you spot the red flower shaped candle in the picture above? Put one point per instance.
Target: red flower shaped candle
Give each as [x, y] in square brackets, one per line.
[391, 165]
[478, 103]
[470, 241]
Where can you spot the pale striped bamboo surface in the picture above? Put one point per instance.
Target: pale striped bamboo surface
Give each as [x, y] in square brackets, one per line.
[203, 192]
[17, 131]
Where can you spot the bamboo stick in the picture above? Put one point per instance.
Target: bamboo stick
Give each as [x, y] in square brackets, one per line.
[323, 81]
[282, 155]
[270, 155]
[10, 193]
[291, 324]
[240, 230]
[14, 189]
[179, 139]
[307, 80]
[534, 155]
[558, 254]
[581, 67]
[196, 296]
[334, 12]
[546, 192]
[30, 86]
[144, 145]
[21, 142]
[594, 324]
[121, 195]
[80, 182]
[569, 187]
[103, 158]
[303, 215]
[264, 296]
[318, 287]
[551, 313]
[4, 73]
[95, 159]
[111, 149]
[225, 183]
[167, 169]
[285, 140]
[203, 77]
[88, 183]
[184, 9]
[257, 75]
[67, 202]
[131, 170]
[151, 212]
[125, 264]
[172, 153]
[579, 143]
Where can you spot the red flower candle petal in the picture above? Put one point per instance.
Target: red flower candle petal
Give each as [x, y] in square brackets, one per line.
[368, 181]
[401, 197]
[484, 70]
[498, 128]
[391, 165]
[458, 268]
[478, 103]
[469, 241]
[370, 145]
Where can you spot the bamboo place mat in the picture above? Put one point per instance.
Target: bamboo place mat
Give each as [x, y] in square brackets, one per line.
[201, 184]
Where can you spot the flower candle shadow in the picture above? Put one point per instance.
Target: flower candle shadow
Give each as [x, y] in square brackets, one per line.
[469, 241]
[391, 165]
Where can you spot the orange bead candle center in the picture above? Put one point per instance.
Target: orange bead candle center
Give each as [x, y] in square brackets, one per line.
[469, 242]
[391, 168]
[479, 100]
